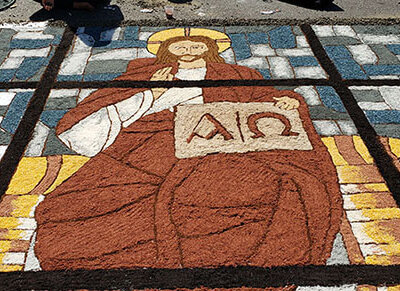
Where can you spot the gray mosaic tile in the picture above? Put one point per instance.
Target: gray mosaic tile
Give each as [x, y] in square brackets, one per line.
[60, 103]
[377, 29]
[106, 66]
[385, 56]
[367, 95]
[339, 40]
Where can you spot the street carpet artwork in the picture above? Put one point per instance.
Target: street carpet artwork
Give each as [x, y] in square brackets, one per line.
[215, 169]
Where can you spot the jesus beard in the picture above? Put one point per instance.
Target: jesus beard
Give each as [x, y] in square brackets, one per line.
[195, 58]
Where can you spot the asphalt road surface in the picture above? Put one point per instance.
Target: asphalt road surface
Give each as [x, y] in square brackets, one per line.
[219, 11]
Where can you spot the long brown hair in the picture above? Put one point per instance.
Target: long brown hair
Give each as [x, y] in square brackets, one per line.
[164, 56]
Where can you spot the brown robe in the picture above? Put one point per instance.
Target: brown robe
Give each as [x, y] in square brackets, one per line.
[136, 205]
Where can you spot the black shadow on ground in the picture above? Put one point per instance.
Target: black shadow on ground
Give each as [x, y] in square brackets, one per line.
[104, 15]
[306, 4]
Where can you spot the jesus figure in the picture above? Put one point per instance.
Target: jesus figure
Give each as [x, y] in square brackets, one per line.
[135, 204]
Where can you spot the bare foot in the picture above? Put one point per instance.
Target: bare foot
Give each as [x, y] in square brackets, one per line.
[83, 6]
[48, 4]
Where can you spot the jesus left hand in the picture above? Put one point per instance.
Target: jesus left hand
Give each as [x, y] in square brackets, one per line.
[286, 103]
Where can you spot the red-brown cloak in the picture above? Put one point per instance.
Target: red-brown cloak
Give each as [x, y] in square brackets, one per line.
[136, 205]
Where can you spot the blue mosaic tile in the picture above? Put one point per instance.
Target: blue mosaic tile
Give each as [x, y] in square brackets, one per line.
[265, 73]
[56, 40]
[15, 111]
[376, 70]
[306, 61]
[282, 37]
[350, 69]
[338, 52]
[29, 67]
[394, 48]
[131, 33]
[100, 77]
[330, 98]
[52, 117]
[66, 78]
[240, 46]
[383, 116]
[7, 74]
[258, 38]
[29, 43]
[95, 32]
[121, 44]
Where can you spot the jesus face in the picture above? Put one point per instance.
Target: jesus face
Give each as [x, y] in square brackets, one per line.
[187, 50]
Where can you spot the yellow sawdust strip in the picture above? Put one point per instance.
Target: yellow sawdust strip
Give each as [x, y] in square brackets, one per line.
[377, 187]
[382, 213]
[23, 205]
[29, 173]
[337, 158]
[378, 233]
[350, 174]
[362, 149]
[70, 165]
[391, 249]
[394, 144]
[364, 200]
[5, 246]
[15, 234]
[10, 268]
[379, 260]
[9, 222]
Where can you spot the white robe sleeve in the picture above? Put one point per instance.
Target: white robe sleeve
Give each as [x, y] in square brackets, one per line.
[99, 130]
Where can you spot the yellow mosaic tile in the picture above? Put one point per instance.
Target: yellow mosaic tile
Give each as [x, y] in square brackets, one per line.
[9, 222]
[352, 174]
[5, 246]
[70, 165]
[337, 158]
[11, 268]
[364, 200]
[394, 144]
[378, 260]
[379, 233]
[382, 213]
[362, 149]
[391, 249]
[29, 173]
[14, 234]
[377, 187]
[23, 205]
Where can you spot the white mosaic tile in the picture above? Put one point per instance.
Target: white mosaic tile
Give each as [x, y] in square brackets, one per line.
[391, 96]
[344, 30]
[43, 52]
[14, 258]
[347, 127]
[11, 63]
[280, 68]
[310, 72]
[363, 54]
[6, 98]
[36, 145]
[296, 52]
[323, 30]
[309, 94]
[254, 62]
[32, 35]
[326, 127]
[262, 50]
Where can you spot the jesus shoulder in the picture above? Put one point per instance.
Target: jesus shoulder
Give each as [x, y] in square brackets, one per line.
[234, 72]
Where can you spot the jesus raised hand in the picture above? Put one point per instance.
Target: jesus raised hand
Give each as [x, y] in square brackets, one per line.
[163, 74]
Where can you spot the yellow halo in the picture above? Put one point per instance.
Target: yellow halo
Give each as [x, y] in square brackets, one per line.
[155, 40]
